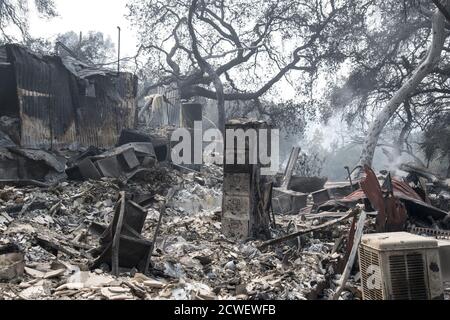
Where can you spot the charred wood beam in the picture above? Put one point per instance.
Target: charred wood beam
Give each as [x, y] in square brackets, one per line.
[169, 196]
[290, 167]
[116, 239]
[303, 232]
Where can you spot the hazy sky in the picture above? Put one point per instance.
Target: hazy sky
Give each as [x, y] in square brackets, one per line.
[87, 15]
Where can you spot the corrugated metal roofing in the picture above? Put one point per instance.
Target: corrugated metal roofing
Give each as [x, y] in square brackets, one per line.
[83, 70]
[404, 192]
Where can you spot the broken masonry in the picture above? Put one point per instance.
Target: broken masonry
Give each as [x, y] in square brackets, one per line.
[246, 193]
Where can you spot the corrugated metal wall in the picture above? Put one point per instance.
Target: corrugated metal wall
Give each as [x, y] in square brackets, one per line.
[173, 96]
[55, 111]
[102, 118]
[45, 100]
[3, 56]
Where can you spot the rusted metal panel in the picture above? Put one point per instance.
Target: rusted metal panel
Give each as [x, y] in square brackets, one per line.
[392, 215]
[414, 204]
[401, 190]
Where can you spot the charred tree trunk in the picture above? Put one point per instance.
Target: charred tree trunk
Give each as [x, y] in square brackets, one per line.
[434, 53]
[402, 139]
[218, 85]
[206, 67]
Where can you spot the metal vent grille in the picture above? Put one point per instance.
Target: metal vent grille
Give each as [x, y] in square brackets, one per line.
[438, 234]
[408, 277]
[371, 274]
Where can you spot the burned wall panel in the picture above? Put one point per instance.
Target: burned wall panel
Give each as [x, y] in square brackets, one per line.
[103, 117]
[8, 92]
[9, 111]
[88, 115]
[3, 55]
[32, 80]
[45, 104]
[62, 111]
[126, 86]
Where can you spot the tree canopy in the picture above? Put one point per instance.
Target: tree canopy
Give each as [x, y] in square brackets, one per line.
[364, 50]
[14, 17]
[93, 47]
[391, 51]
[251, 45]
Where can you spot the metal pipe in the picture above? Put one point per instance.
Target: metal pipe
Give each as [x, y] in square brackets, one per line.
[69, 51]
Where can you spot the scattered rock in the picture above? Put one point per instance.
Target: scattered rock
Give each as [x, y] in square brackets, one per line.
[34, 293]
[230, 266]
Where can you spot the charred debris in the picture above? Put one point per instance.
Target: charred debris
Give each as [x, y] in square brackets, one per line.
[91, 206]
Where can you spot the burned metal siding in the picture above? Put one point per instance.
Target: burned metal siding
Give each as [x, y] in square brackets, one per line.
[62, 117]
[56, 110]
[126, 86]
[45, 100]
[8, 96]
[3, 55]
[172, 97]
[113, 108]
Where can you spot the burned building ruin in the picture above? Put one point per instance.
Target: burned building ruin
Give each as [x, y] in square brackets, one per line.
[54, 103]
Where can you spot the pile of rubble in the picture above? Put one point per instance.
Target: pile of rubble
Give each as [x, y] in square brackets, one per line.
[51, 232]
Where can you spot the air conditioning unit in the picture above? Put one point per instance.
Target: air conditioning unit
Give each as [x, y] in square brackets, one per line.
[400, 266]
[444, 256]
